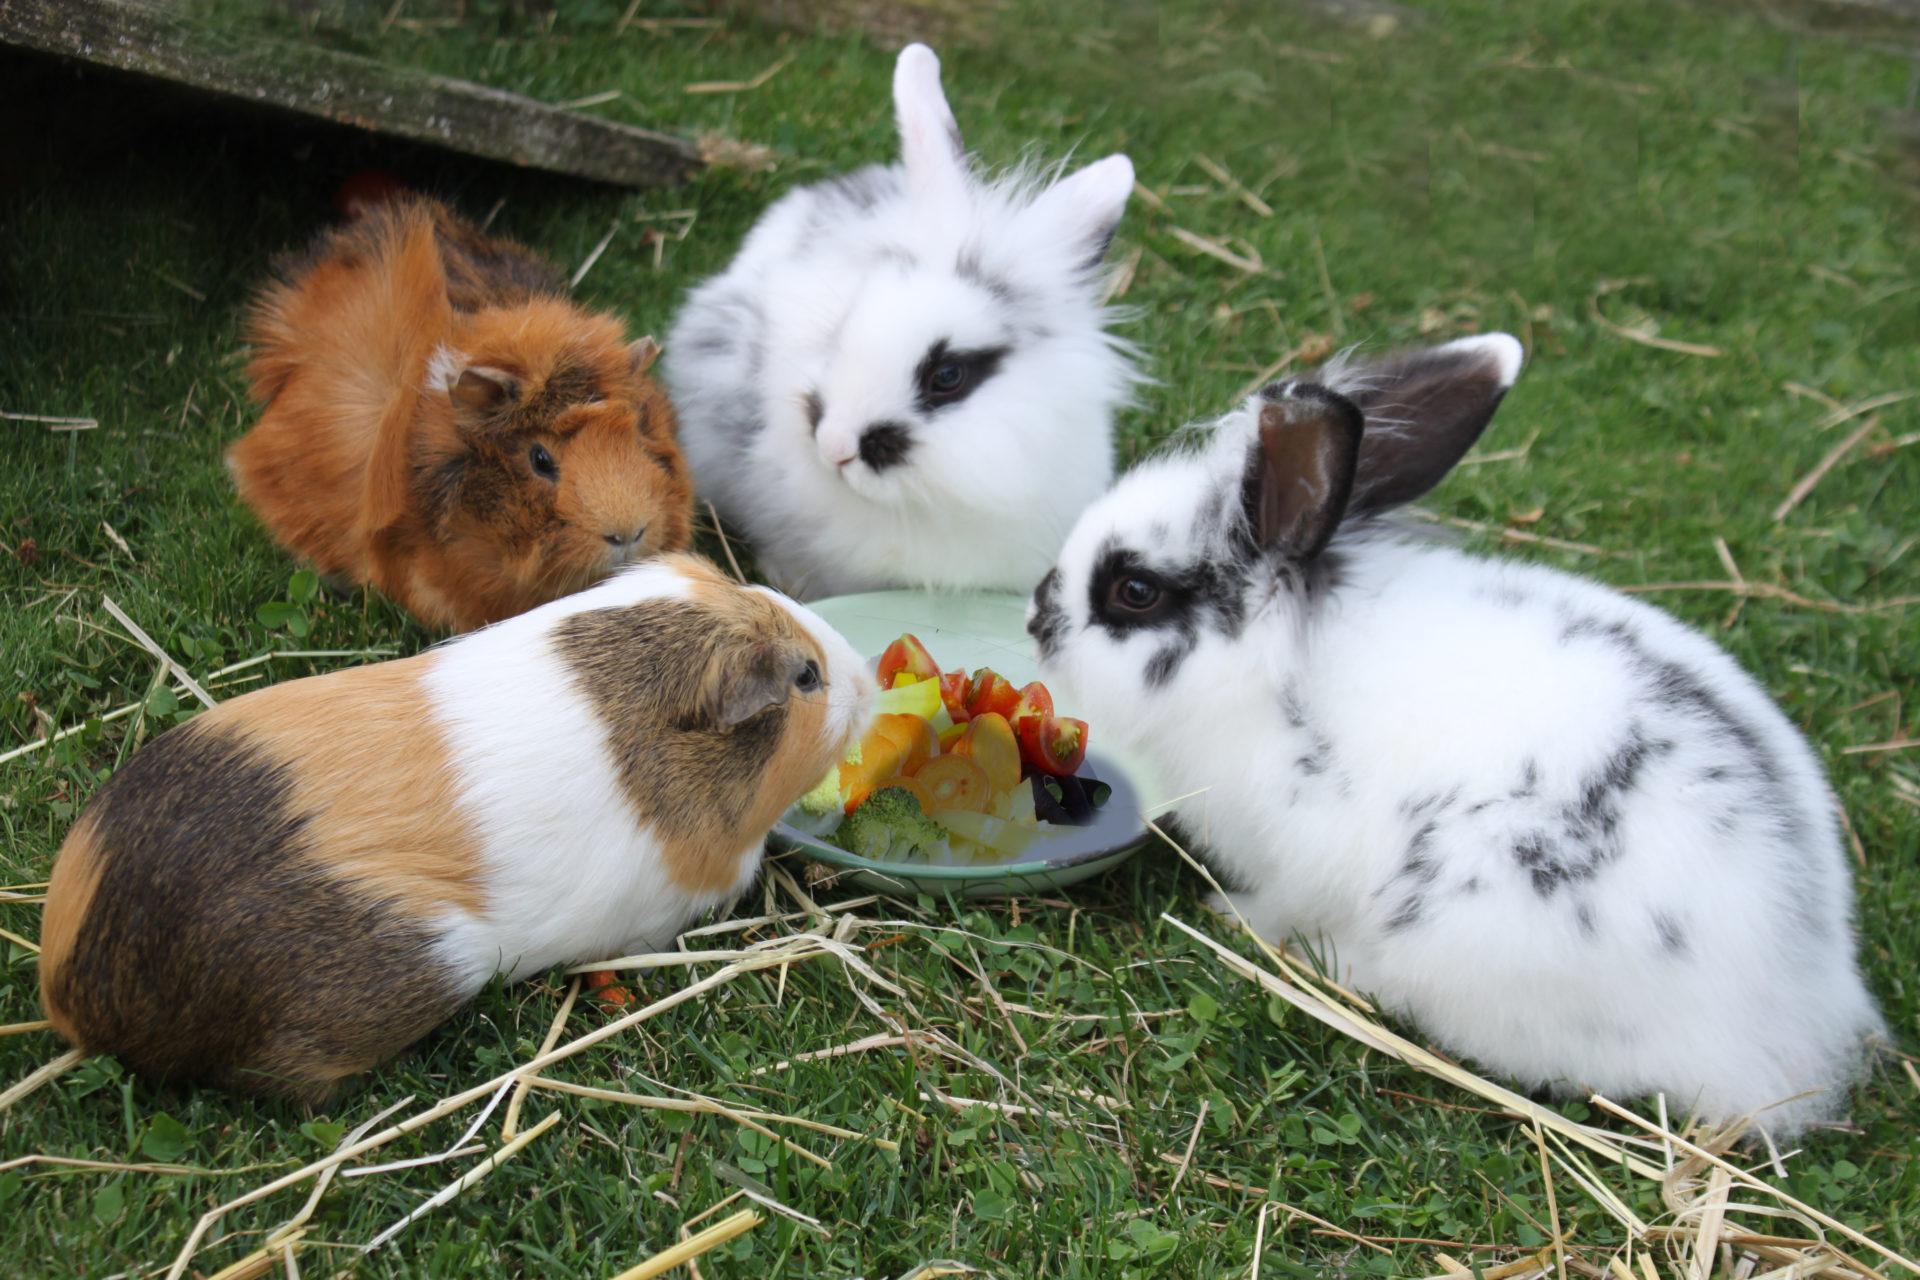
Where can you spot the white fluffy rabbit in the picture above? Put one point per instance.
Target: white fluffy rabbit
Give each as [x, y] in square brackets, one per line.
[904, 377]
[1563, 833]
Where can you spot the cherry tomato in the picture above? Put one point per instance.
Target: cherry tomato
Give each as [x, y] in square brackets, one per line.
[1034, 701]
[991, 691]
[1053, 744]
[909, 655]
[953, 692]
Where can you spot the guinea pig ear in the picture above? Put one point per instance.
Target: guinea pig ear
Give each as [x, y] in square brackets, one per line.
[930, 146]
[1424, 410]
[641, 354]
[751, 680]
[1084, 209]
[479, 389]
[1300, 470]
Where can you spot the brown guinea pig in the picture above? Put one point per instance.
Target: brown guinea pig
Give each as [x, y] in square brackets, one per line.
[295, 885]
[444, 424]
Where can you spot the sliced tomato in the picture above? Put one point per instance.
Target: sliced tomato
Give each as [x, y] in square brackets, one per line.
[955, 782]
[1053, 744]
[991, 691]
[989, 742]
[953, 692]
[1034, 701]
[909, 655]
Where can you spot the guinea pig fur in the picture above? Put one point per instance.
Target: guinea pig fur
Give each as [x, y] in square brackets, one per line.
[1561, 831]
[295, 885]
[444, 424]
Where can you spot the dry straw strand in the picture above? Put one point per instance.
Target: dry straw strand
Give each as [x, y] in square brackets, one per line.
[146, 642]
[511, 1125]
[800, 947]
[692, 1247]
[466, 1180]
[1634, 335]
[41, 1076]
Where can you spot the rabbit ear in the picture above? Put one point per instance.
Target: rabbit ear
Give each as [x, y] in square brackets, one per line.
[1300, 470]
[930, 145]
[1424, 410]
[1085, 208]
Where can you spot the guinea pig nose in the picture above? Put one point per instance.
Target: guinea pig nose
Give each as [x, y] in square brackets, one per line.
[623, 538]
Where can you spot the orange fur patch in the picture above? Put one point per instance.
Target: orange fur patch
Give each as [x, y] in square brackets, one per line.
[76, 875]
[380, 786]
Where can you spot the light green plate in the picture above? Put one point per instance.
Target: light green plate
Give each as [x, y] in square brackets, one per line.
[977, 630]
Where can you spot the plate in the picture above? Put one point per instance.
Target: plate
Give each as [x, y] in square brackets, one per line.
[983, 630]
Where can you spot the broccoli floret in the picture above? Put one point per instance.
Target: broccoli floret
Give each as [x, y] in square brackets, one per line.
[825, 798]
[889, 826]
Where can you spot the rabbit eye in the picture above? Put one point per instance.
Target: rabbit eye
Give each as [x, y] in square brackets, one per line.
[808, 681]
[542, 462]
[947, 378]
[1136, 594]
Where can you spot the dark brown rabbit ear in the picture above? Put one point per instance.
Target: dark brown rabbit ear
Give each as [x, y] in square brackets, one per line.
[1300, 469]
[479, 389]
[1424, 410]
[641, 354]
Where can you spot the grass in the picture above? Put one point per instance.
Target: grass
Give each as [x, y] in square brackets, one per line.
[1487, 165]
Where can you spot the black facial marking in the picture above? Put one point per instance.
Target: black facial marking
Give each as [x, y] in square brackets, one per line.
[884, 445]
[946, 376]
[1049, 619]
[216, 949]
[1167, 659]
[816, 409]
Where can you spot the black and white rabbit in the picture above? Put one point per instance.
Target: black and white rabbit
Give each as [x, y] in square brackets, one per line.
[1565, 834]
[904, 377]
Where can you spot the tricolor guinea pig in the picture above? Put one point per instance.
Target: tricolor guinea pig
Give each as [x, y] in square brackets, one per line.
[295, 885]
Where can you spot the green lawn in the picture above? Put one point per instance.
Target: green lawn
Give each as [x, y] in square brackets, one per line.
[1720, 179]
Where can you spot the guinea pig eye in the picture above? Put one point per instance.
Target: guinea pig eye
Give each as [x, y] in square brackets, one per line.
[808, 680]
[1135, 594]
[542, 462]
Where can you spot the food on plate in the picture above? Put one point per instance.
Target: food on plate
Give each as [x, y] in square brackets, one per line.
[953, 765]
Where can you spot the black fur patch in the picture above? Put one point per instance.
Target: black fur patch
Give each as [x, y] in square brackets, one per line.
[816, 409]
[885, 445]
[977, 365]
[216, 949]
[1049, 620]
[1192, 598]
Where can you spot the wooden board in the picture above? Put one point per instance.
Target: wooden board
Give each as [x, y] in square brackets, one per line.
[346, 89]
